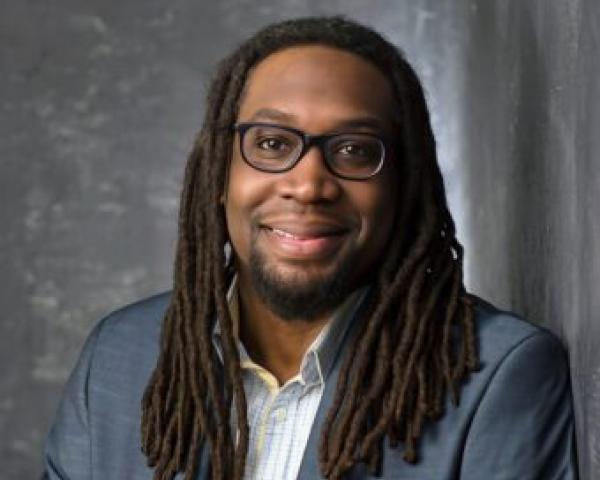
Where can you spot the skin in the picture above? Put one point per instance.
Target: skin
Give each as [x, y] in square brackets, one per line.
[319, 90]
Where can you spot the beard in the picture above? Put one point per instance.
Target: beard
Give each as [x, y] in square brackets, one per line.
[301, 296]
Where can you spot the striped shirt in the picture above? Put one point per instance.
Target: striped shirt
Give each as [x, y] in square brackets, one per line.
[280, 417]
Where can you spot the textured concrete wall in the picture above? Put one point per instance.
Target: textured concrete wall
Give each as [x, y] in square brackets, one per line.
[530, 136]
[100, 101]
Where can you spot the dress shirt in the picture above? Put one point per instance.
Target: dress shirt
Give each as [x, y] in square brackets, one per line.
[280, 417]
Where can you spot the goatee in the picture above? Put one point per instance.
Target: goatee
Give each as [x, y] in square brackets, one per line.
[297, 298]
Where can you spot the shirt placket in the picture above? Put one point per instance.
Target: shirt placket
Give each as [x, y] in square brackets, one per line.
[278, 418]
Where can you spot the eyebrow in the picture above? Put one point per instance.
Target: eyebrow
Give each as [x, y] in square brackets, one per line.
[364, 121]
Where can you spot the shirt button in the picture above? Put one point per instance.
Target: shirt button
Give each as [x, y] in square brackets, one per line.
[279, 415]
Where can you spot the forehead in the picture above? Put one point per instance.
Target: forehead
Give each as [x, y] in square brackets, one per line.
[317, 84]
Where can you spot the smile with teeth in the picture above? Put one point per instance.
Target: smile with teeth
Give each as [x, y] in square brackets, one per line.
[285, 234]
[319, 244]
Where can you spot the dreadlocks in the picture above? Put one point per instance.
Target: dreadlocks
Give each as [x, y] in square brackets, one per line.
[416, 343]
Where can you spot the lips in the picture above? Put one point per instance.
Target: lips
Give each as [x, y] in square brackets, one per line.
[304, 240]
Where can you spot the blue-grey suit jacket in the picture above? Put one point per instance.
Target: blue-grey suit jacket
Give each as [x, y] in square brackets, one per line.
[514, 421]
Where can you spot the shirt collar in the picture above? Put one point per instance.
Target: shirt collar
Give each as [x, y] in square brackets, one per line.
[320, 355]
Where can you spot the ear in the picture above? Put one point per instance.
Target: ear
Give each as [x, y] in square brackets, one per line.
[228, 250]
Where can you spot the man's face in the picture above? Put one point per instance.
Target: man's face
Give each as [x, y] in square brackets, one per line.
[303, 239]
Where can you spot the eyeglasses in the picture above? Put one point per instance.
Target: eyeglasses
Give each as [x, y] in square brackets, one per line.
[275, 149]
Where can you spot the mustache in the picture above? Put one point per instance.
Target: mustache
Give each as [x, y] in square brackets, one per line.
[315, 215]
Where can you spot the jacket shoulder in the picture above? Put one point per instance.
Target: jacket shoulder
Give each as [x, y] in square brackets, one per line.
[499, 332]
[139, 321]
[512, 399]
[98, 422]
[126, 346]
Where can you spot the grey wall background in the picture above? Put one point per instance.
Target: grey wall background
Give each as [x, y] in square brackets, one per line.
[98, 106]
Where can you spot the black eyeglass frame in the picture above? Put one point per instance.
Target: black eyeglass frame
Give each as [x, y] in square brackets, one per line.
[308, 141]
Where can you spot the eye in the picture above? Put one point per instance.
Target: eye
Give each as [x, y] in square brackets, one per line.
[272, 144]
[353, 149]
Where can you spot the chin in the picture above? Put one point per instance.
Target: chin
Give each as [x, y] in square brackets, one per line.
[302, 293]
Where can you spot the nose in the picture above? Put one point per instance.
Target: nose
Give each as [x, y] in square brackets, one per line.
[310, 181]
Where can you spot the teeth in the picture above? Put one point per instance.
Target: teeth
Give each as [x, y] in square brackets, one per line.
[284, 234]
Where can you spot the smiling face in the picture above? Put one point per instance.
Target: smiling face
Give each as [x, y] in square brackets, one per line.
[304, 238]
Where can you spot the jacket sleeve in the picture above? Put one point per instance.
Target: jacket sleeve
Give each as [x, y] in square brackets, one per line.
[67, 452]
[523, 428]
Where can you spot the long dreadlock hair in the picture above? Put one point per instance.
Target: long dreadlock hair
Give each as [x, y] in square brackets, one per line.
[415, 344]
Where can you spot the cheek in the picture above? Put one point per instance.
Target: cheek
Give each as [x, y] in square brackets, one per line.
[378, 210]
[236, 231]
[234, 210]
[246, 189]
[245, 192]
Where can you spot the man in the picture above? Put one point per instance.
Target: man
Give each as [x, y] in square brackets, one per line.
[318, 326]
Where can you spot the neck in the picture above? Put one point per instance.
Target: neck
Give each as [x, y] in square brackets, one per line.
[277, 344]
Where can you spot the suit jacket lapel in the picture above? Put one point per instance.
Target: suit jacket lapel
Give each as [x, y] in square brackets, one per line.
[309, 468]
